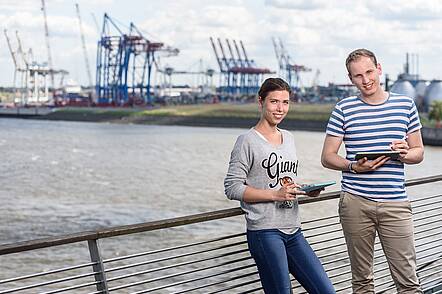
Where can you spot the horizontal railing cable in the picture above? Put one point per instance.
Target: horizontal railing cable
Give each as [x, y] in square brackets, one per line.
[436, 279]
[438, 291]
[191, 280]
[319, 219]
[420, 278]
[427, 210]
[251, 290]
[417, 205]
[374, 265]
[176, 265]
[55, 271]
[388, 274]
[177, 274]
[323, 233]
[423, 267]
[176, 256]
[96, 292]
[425, 198]
[173, 248]
[61, 280]
[229, 279]
[72, 288]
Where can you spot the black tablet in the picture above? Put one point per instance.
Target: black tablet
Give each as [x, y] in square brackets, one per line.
[374, 155]
[316, 186]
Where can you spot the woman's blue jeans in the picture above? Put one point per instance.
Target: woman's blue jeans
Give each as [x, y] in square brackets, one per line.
[276, 254]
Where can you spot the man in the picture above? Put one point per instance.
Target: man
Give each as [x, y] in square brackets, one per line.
[373, 194]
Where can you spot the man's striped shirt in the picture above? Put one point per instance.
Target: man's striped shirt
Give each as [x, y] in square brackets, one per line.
[366, 127]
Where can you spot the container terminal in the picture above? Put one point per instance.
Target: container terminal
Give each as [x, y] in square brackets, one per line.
[130, 72]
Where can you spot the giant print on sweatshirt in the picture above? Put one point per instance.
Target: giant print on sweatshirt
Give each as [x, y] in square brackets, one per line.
[276, 167]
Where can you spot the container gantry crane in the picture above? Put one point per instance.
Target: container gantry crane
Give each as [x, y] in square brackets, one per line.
[33, 88]
[124, 65]
[239, 74]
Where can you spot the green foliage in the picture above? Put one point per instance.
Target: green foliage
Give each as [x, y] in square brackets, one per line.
[314, 112]
[436, 111]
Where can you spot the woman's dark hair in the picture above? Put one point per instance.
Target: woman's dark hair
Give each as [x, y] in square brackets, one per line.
[273, 84]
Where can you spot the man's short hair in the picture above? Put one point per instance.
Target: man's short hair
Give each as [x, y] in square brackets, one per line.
[358, 53]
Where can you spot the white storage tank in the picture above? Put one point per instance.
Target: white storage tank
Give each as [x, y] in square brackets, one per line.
[403, 87]
[420, 88]
[433, 93]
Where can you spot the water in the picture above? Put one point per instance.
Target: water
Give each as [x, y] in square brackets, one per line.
[63, 177]
[90, 175]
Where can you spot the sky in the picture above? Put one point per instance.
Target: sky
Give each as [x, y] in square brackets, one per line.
[317, 34]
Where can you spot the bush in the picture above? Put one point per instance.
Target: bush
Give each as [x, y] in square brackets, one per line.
[436, 112]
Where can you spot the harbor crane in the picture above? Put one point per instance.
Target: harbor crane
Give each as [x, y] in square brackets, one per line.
[83, 43]
[124, 64]
[287, 69]
[33, 88]
[14, 58]
[48, 47]
[239, 75]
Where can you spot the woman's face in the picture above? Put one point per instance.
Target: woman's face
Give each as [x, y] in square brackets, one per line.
[275, 106]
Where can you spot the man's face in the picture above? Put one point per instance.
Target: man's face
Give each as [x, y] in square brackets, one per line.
[364, 74]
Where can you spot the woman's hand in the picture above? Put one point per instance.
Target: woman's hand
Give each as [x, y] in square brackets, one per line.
[287, 192]
[315, 193]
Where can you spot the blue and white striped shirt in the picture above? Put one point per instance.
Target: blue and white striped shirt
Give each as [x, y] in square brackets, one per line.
[366, 127]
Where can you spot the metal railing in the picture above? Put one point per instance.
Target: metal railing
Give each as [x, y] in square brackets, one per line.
[157, 257]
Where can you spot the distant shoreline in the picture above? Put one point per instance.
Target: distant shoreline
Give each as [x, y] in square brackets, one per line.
[431, 136]
[221, 119]
[194, 121]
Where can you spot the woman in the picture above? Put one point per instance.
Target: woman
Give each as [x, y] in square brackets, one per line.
[262, 169]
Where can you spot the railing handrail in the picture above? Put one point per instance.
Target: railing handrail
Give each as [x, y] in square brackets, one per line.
[162, 224]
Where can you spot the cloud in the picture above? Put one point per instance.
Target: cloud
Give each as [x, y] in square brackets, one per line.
[317, 34]
[8, 6]
[298, 5]
[408, 11]
[223, 21]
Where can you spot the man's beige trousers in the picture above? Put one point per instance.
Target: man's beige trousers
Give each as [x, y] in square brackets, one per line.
[360, 219]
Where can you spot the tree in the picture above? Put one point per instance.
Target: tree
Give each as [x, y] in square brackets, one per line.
[436, 113]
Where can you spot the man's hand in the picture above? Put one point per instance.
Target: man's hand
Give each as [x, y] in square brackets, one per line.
[365, 165]
[401, 146]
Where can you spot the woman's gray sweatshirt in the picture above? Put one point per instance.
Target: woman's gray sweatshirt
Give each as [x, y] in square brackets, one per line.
[256, 163]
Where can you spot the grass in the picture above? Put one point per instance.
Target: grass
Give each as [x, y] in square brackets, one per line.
[315, 112]
[308, 112]
[251, 110]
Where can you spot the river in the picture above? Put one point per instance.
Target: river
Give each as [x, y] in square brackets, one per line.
[63, 177]
[89, 175]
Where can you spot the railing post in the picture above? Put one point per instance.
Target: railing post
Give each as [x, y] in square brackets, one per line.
[98, 267]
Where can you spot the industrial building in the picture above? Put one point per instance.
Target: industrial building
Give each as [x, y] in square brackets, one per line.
[408, 83]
